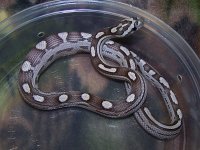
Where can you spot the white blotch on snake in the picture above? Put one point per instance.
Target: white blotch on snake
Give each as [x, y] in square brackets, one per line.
[107, 104]
[132, 75]
[63, 36]
[132, 64]
[109, 42]
[92, 51]
[26, 88]
[151, 72]
[99, 35]
[130, 27]
[101, 66]
[179, 113]
[164, 82]
[122, 26]
[142, 62]
[42, 45]
[125, 50]
[63, 98]
[85, 96]
[26, 66]
[86, 35]
[130, 98]
[113, 30]
[173, 97]
[38, 98]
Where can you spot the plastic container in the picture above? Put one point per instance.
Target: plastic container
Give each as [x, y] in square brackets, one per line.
[23, 127]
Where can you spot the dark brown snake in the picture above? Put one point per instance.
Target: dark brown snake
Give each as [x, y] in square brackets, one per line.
[131, 69]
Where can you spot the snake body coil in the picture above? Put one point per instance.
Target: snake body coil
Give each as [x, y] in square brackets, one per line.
[131, 69]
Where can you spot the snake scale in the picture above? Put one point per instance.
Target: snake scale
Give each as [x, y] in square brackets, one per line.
[131, 69]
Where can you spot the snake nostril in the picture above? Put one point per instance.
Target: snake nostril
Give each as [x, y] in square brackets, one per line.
[180, 78]
[40, 34]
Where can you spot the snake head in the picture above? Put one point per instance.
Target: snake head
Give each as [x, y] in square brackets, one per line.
[127, 26]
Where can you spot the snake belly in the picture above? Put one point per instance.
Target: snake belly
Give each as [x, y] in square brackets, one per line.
[131, 60]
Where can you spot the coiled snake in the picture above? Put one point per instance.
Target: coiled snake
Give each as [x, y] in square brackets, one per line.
[131, 69]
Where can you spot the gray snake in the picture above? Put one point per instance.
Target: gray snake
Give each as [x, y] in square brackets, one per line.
[132, 69]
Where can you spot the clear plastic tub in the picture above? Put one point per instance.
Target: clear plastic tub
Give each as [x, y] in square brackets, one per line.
[23, 127]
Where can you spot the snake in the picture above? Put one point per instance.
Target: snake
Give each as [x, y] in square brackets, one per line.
[54, 47]
[133, 70]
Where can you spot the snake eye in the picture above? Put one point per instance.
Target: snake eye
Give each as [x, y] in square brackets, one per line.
[137, 24]
[134, 29]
